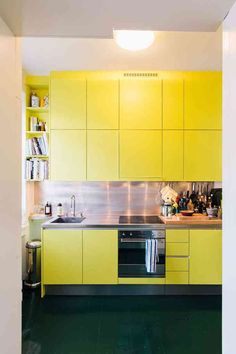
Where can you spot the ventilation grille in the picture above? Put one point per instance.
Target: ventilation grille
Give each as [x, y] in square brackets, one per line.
[140, 74]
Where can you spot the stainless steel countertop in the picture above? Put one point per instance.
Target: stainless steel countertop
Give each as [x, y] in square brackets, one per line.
[109, 222]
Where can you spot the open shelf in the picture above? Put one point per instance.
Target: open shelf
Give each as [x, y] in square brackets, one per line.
[37, 132]
[37, 156]
[37, 109]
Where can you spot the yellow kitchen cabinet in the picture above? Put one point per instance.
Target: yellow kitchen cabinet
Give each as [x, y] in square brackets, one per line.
[180, 278]
[177, 249]
[68, 155]
[102, 155]
[141, 154]
[102, 104]
[205, 265]
[173, 155]
[203, 100]
[100, 257]
[62, 257]
[202, 155]
[177, 264]
[173, 104]
[68, 103]
[174, 235]
[140, 104]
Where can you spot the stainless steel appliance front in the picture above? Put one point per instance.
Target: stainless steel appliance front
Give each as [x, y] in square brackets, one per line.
[132, 253]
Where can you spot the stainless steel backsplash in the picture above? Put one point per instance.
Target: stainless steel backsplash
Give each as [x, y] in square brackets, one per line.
[109, 197]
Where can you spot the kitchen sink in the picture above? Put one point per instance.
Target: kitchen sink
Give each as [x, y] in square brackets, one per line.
[68, 220]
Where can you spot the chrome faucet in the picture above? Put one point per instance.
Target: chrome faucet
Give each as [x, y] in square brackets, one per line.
[72, 205]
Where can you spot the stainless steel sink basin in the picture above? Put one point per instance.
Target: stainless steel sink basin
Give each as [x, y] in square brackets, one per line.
[68, 220]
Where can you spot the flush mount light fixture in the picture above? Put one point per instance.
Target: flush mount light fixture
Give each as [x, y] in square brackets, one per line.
[134, 40]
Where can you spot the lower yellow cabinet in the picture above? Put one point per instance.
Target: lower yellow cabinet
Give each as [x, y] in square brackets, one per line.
[205, 257]
[180, 278]
[62, 257]
[100, 257]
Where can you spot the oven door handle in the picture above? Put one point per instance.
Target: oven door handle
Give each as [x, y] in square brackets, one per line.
[132, 240]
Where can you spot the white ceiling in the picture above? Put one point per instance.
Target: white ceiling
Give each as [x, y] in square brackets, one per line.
[97, 18]
[170, 51]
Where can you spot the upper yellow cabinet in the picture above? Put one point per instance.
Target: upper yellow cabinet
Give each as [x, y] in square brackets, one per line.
[102, 104]
[141, 154]
[100, 257]
[68, 103]
[173, 164]
[173, 104]
[102, 155]
[203, 100]
[62, 257]
[140, 103]
[205, 257]
[68, 155]
[202, 155]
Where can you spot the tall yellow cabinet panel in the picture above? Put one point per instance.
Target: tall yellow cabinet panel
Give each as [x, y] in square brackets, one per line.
[68, 155]
[203, 100]
[173, 104]
[100, 257]
[205, 257]
[62, 257]
[173, 168]
[68, 103]
[202, 155]
[140, 104]
[141, 154]
[102, 104]
[102, 155]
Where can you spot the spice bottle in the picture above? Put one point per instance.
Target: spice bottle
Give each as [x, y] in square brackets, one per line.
[48, 209]
[59, 209]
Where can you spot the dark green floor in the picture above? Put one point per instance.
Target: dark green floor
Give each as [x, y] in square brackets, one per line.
[121, 325]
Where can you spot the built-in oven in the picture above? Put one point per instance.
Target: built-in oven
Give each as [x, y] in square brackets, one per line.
[142, 253]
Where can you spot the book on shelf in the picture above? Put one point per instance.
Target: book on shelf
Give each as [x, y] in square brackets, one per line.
[36, 169]
[37, 146]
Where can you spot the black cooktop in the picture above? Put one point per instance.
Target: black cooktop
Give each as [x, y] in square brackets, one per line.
[140, 219]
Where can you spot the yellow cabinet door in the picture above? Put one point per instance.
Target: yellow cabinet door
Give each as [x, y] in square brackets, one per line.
[205, 257]
[177, 278]
[68, 155]
[102, 104]
[62, 257]
[141, 154]
[100, 257]
[177, 235]
[68, 103]
[173, 104]
[173, 155]
[140, 104]
[202, 155]
[102, 155]
[203, 100]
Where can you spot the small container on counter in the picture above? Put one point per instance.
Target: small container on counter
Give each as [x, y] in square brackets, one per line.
[59, 209]
[48, 209]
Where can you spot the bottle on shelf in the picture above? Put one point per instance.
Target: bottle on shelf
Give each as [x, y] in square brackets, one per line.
[34, 100]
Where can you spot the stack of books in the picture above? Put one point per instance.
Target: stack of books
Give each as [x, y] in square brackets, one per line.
[37, 146]
[36, 169]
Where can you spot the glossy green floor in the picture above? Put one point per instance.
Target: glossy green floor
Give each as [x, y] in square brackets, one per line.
[121, 325]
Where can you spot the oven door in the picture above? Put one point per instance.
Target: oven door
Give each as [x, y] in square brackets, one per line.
[132, 254]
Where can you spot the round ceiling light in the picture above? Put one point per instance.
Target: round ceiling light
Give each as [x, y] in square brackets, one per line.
[134, 40]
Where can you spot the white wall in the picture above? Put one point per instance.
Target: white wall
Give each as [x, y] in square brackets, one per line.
[171, 51]
[10, 206]
[229, 182]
